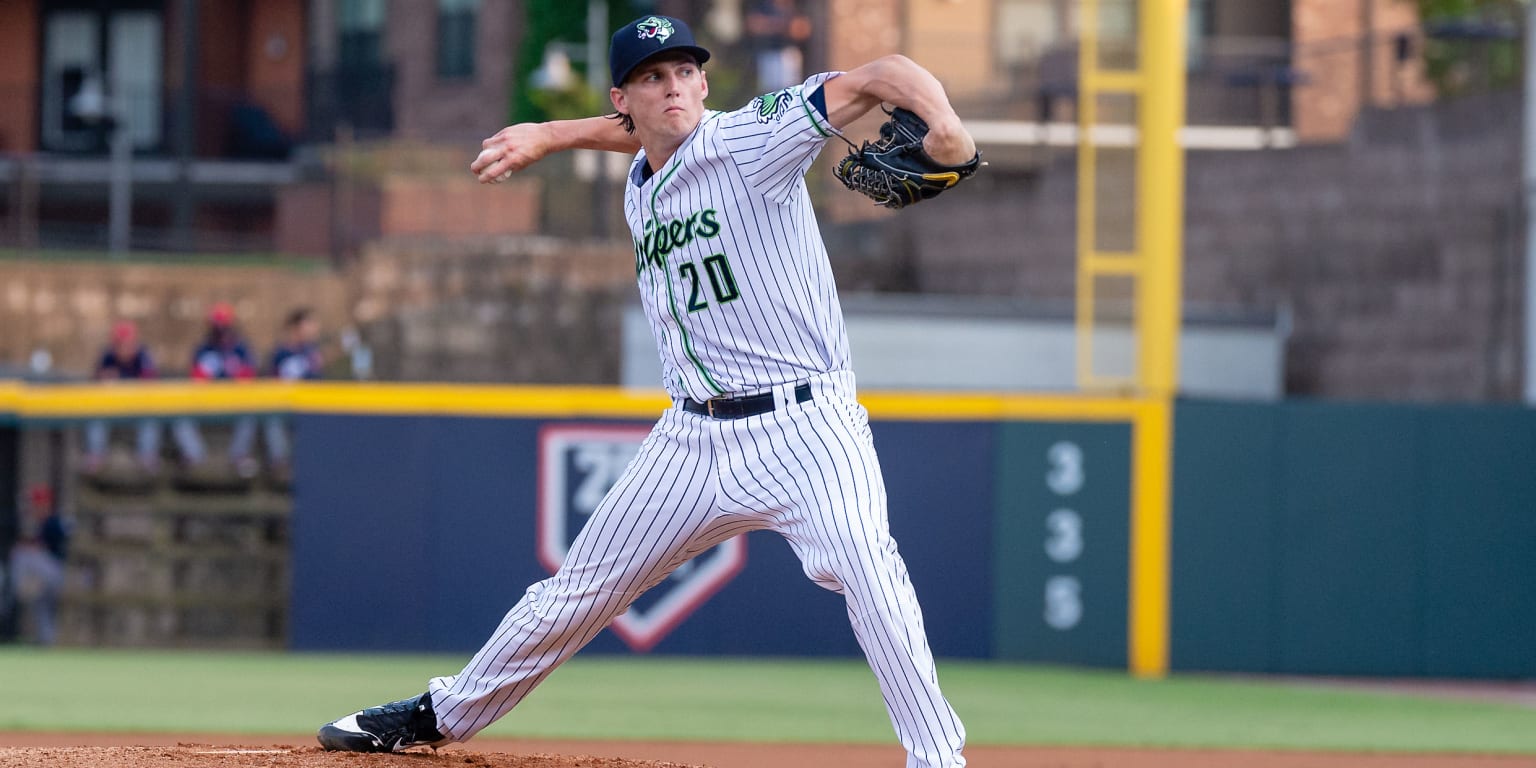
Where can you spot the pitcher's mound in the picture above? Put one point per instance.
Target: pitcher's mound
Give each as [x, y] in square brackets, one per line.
[283, 756]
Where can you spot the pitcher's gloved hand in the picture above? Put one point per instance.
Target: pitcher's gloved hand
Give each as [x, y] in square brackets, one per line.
[895, 171]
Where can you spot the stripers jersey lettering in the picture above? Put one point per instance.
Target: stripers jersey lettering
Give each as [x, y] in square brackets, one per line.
[660, 240]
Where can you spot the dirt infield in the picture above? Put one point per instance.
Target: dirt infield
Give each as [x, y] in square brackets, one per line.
[35, 750]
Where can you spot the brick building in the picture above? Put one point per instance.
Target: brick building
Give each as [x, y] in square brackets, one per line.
[1295, 63]
[222, 98]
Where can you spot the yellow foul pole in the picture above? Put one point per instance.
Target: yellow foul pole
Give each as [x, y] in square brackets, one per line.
[1154, 264]
[1159, 237]
[1160, 194]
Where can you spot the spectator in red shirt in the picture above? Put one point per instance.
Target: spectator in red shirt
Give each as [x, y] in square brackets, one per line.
[222, 355]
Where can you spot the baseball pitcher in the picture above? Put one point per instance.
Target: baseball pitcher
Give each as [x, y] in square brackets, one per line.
[765, 431]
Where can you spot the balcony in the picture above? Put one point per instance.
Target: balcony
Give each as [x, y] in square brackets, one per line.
[55, 169]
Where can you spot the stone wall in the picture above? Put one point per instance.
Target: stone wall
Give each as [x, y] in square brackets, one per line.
[1396, 255]
[528, 310]
[67, 308]
[502, 309]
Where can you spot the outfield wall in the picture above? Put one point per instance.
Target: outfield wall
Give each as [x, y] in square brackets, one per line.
[447, 532]
[1307, 538]
[443, 537]
[1351, 539]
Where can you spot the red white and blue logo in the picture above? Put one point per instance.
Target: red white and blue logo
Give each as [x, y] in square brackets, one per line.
[578, 464]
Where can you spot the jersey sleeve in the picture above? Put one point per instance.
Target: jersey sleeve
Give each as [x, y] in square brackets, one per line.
[775, 138]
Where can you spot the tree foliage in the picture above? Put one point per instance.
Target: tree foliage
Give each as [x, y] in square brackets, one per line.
[1472, 44]
[559, 21]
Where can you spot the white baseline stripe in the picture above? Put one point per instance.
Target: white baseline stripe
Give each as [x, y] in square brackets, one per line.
[242, 752]
[1202, 137]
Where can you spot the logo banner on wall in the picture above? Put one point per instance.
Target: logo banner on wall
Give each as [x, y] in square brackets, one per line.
[578, 464]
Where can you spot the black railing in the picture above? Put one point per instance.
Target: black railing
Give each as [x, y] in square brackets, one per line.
[228, 123]
[1242, 89]
[1224, 87]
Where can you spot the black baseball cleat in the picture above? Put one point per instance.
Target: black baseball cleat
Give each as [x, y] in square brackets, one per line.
[393, 727]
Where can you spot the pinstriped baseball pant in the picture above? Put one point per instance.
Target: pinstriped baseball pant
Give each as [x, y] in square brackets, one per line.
[806, 470]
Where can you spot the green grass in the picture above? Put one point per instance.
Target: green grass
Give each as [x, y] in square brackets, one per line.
[735, 699]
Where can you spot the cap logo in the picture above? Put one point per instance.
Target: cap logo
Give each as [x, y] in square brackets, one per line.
[655, 28]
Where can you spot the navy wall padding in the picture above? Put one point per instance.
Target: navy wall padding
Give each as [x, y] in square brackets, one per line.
[418, 534]
[408, 531]
[940, 477]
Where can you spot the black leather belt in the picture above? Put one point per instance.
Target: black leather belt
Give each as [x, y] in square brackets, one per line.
[741, 407]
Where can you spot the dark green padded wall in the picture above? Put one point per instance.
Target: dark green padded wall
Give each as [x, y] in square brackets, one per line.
[1326, 538]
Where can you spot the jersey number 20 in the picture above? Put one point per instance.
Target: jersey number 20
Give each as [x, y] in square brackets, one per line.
[721, 282]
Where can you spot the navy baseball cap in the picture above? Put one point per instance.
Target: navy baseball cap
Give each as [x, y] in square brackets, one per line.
[645, 37]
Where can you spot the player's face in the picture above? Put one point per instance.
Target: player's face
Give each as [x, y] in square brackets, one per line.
[665, 96]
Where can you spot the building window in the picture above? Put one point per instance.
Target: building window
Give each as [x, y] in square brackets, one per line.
[456, 38]
[96, 61]
[360, 33]
[1026, 29]
[1201, 15]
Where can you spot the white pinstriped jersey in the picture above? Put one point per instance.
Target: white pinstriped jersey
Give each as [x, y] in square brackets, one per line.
[733, 273]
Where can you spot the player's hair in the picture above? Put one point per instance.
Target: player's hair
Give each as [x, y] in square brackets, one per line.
[297, 316]
[624, 120]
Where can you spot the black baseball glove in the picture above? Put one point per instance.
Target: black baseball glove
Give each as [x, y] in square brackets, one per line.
[895, 171]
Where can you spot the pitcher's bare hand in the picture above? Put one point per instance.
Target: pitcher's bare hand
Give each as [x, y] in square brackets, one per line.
[511, 150]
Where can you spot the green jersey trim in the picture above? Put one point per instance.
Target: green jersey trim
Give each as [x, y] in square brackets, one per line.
[671, 299]
[805, 103]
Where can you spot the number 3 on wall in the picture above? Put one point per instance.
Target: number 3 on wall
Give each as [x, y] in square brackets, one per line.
[1065, 477]
[1065, 540]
